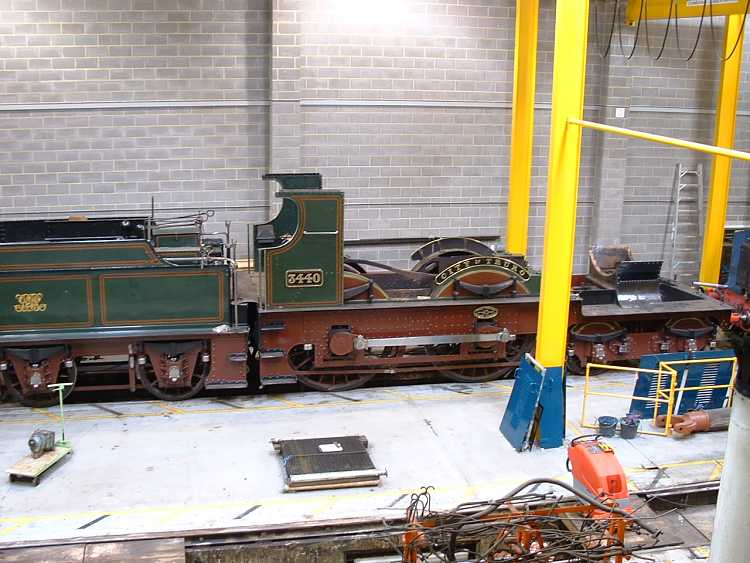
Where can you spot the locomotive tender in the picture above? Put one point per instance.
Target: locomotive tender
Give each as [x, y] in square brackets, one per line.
[168, 303]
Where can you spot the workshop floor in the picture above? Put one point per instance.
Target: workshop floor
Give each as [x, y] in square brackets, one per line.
[151, 466]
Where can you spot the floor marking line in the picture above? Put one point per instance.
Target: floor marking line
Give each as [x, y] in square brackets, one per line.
[292, 406]
[716, 473]
[574, 427]
[501, 385]
[248, 511]
[287, 402]
[46, 413]
[94, 521]
[643, 469]
[354, 496]
[400, 396]
[13, 527]
[169, 408]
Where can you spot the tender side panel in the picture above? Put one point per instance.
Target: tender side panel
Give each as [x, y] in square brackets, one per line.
[164, 297]
[46, 301]
[76, 255]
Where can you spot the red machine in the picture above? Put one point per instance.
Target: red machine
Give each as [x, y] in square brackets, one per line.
[596, 469]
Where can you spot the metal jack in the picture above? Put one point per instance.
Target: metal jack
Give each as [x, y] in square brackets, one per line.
[59, 388]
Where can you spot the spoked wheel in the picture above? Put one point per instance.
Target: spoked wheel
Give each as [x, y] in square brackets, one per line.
[333, 381]
[304, 360]
[479, 374]
[42, 399]
[147, 377]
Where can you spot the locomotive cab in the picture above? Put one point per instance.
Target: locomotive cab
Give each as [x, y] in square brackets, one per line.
[299, 253]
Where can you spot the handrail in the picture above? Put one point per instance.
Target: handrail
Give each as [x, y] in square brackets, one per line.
[662, 395]
[663, 139]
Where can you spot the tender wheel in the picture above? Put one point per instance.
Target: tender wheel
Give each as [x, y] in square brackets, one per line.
[147, 377]
[478, 374]
[42, 399]
[304, 360]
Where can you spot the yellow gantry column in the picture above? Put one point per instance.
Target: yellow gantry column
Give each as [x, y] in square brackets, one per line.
[721, 172]
[522, 128]
[568, 82]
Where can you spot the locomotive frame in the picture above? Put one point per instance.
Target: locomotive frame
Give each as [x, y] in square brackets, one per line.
[167, 302]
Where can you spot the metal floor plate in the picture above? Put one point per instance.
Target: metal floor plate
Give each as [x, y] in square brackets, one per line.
[326, 463]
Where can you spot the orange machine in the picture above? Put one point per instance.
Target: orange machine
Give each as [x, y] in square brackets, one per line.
[596, 469]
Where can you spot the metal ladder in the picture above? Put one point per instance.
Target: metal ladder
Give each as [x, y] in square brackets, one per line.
[687, 223]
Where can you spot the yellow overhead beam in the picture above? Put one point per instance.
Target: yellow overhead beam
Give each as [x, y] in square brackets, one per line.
[660, 9]
[568, 82]
[522, 128]
[711, 149]
[721, 170]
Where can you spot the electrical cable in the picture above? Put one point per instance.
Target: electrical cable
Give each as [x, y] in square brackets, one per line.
[666, 33]
[700, 31]
[529, 530]
[637, 32]
[740, 33]
[611, 29]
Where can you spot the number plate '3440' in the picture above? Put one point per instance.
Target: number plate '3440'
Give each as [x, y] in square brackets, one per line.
[304, 278]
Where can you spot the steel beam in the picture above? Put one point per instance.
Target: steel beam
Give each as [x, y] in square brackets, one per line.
[721, 171]
[522, 128]
[568, 81]
[664, 9]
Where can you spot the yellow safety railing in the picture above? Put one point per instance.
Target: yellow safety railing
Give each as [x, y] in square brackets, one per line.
[664, 395]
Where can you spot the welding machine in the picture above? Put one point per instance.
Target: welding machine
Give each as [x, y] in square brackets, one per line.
[596, 470]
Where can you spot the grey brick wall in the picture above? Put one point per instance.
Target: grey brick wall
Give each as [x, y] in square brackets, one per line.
[403, 104]
[124, 50]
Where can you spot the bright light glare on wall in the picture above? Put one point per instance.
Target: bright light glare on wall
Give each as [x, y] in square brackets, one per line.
[372, 12]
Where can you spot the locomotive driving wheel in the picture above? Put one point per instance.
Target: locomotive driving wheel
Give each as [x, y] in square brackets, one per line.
[42, 399]
[147, 376]
[514, 351]
[303, 360]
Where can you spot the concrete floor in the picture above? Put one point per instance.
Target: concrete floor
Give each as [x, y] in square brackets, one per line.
[153, 466]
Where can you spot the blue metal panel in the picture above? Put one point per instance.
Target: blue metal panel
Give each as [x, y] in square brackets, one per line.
[552, 423]
[645, 385]
[537, 401]
[719, 373]
[739, 238]
[520, 412]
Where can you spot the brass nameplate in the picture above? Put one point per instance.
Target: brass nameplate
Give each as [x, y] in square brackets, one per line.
[304, 278]
[484, 262]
